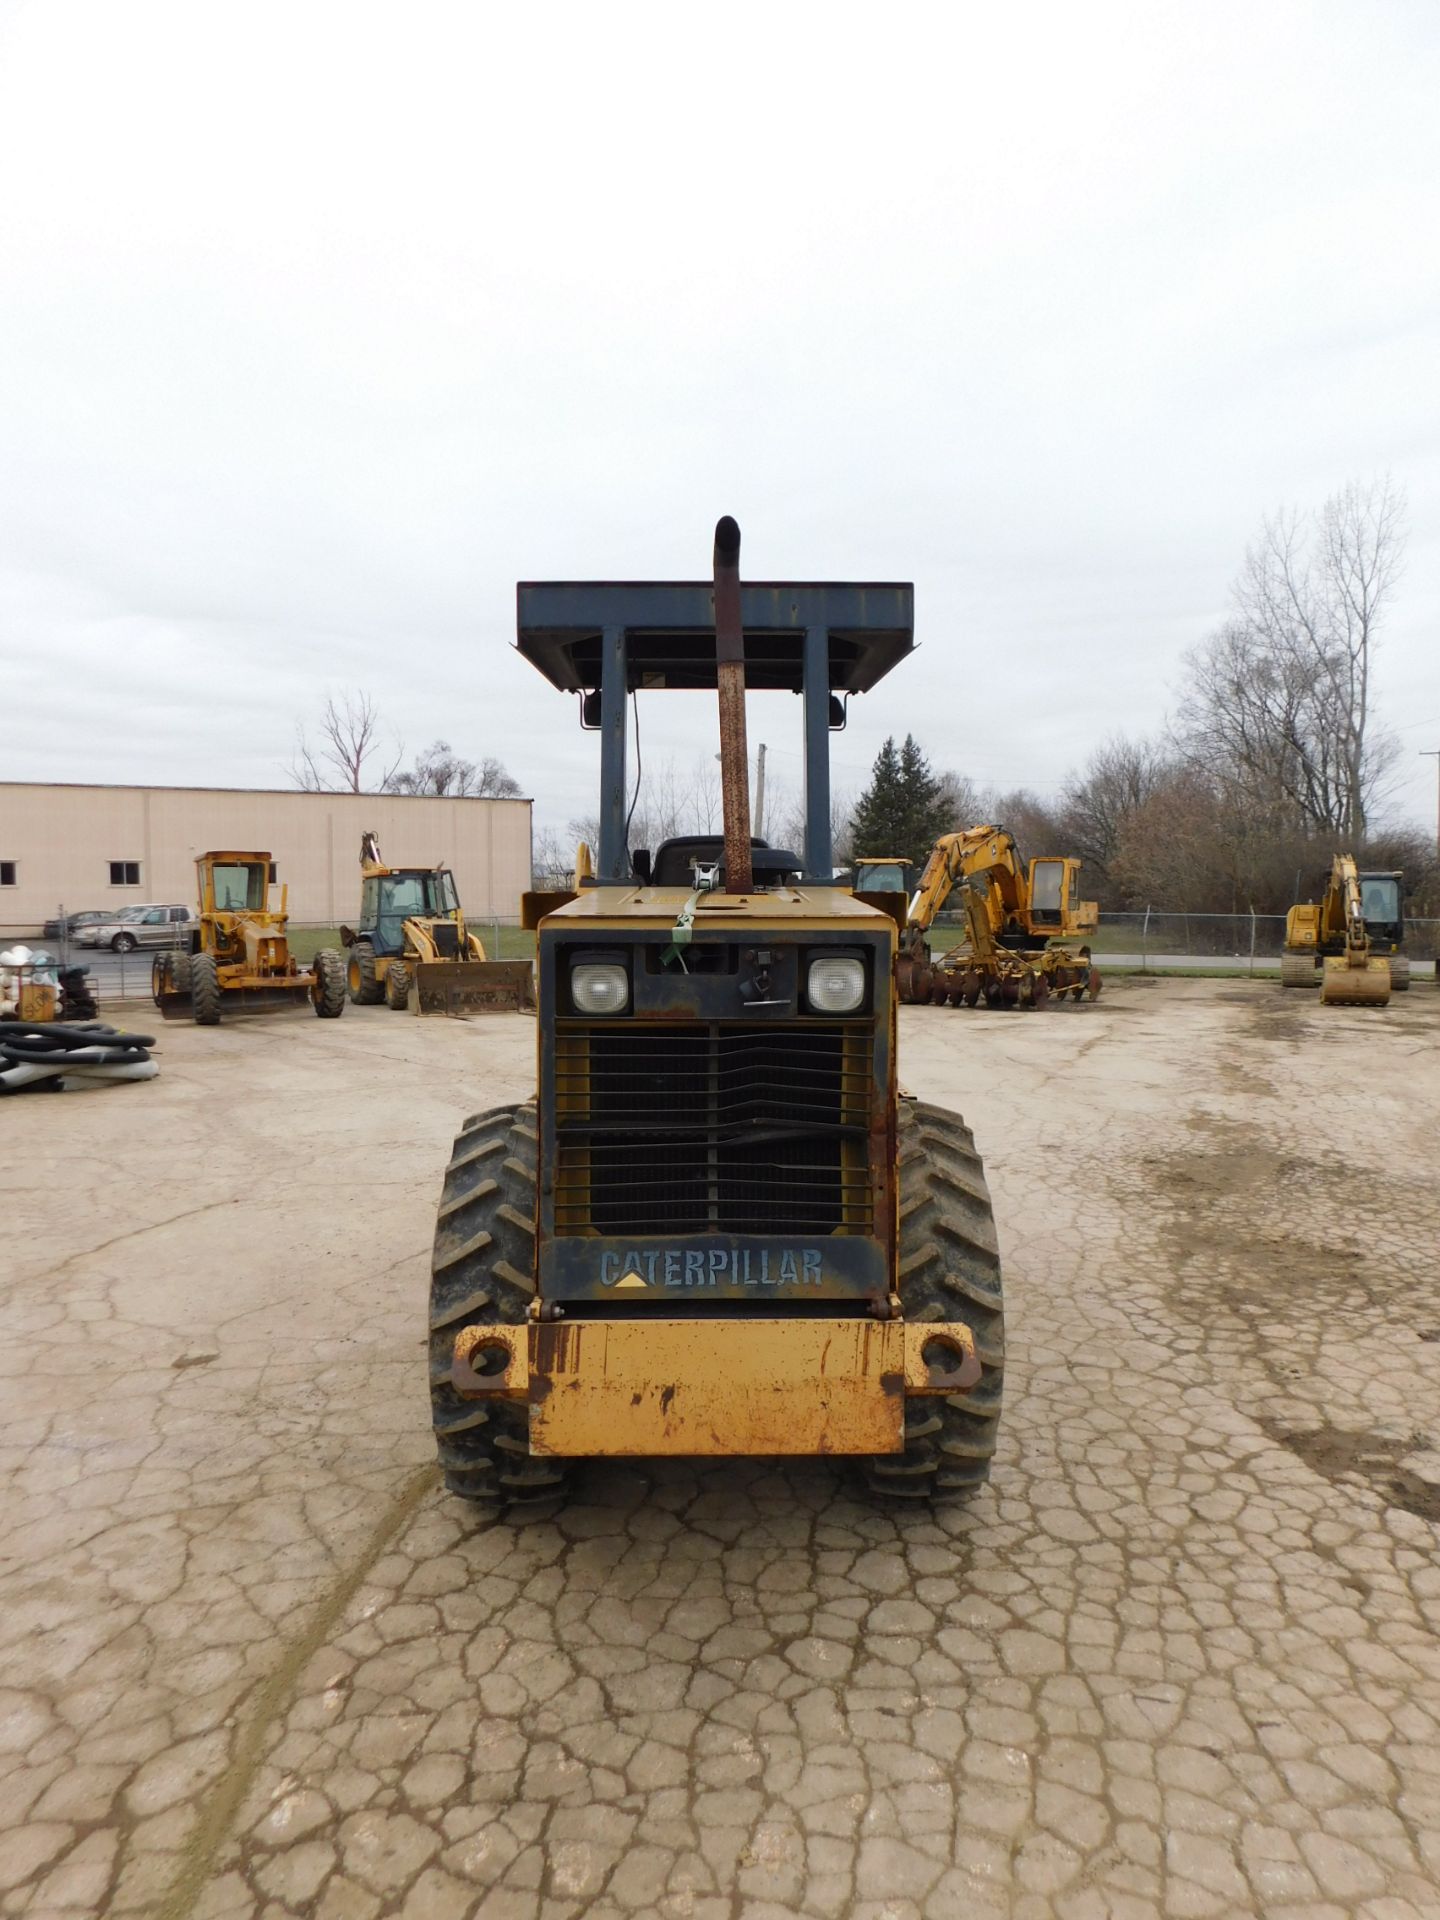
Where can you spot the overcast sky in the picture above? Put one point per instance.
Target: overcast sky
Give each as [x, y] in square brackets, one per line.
[321, 326]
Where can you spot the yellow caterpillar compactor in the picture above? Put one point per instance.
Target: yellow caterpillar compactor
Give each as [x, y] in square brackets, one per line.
[1349, 943]
[239, 954]
[1020, 922]
[412, 934]
[717, 1228]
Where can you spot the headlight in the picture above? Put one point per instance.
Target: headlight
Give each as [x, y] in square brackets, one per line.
[835, 986]
[597, 986]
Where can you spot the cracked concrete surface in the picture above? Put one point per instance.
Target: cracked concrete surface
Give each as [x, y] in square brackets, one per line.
[1180, 1657]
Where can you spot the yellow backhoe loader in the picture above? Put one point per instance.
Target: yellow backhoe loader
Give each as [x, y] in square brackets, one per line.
[239, 954]
[1348, 943]
[1020, 923]
[717, 1228]
[412, 933]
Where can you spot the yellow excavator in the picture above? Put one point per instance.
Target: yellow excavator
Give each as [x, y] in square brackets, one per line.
[1020, 921]
[1349, 941]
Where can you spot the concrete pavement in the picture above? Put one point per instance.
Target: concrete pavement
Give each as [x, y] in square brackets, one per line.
[1180, 1657]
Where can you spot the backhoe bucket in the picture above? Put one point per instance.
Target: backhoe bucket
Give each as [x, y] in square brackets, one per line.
[459, 987]
[1362, 984]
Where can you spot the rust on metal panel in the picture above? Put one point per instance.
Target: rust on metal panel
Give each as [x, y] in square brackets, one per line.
[940, 1357]
[717, 1387]
[474, 986]
[730, 679]
[503, 1354]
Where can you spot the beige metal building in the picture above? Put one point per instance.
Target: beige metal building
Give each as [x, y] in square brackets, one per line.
[115, 847]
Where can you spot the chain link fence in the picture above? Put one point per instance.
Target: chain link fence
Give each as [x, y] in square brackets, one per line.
[1162, 941]
[120, 962]
[1148, 942]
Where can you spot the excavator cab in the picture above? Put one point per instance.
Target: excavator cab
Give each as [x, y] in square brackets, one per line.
[388, 900]
[1380, 903]
[881, 876]
[1053, 902]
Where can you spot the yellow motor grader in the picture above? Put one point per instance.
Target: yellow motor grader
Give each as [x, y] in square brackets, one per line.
[717, 1228]
[1020, 923]
[1349, 942]
[413, 933]
[239, 954]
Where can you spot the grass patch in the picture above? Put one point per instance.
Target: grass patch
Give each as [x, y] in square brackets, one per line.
[1189, 973]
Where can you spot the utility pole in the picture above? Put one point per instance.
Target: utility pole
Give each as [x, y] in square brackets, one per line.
[760, 793]
[1432, 754]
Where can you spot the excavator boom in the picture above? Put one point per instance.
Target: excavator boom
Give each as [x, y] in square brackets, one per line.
[1355, 977]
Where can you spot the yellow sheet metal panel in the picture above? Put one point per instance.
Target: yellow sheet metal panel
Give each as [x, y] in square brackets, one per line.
[762, 1386]
[620, 908]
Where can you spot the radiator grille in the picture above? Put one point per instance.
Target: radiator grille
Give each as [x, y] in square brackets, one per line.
[705, 1128]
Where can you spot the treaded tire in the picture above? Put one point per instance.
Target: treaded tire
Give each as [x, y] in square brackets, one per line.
[328, 993]
[483, 1274]
[397, 986]
[1299, 970]
[949, 1269]
[366, 990]
[169, 973]
[204, 990]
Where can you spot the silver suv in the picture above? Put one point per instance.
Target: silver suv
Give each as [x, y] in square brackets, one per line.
[139, 927]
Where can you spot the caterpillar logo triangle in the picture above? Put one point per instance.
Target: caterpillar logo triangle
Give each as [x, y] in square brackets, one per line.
[630, 1279]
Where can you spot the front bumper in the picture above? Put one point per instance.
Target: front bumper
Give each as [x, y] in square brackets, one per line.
[771, 1385]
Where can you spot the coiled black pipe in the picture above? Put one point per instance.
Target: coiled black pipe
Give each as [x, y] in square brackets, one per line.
[51, 1057]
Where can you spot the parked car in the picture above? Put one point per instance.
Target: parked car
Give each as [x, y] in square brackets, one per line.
[139, 927]
[72, 923]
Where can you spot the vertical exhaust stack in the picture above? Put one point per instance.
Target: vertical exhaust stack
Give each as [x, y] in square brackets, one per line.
[730, 679]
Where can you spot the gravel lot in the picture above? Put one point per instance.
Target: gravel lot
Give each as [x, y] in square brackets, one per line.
[1180, 1658]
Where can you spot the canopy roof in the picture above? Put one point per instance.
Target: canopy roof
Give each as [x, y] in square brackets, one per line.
[670, 630]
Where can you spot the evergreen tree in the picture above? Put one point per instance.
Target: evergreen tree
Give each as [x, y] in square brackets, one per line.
[929, 811]
[904, 808]
[880, 811]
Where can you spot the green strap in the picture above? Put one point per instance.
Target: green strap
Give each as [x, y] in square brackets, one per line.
[680, 935]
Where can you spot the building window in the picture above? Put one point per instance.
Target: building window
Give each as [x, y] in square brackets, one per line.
[124, 873]
[7, 873]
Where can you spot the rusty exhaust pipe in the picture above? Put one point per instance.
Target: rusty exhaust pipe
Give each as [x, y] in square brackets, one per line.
[730, 679]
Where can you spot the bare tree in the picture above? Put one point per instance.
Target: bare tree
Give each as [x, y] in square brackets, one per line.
[1094, 805]
[1283, 695]
[1175, 849]
[349, 753]
[1029, 819]
[1361, 549]
[786, 812]
[962, 800]
[440, 770]
[552, 863]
